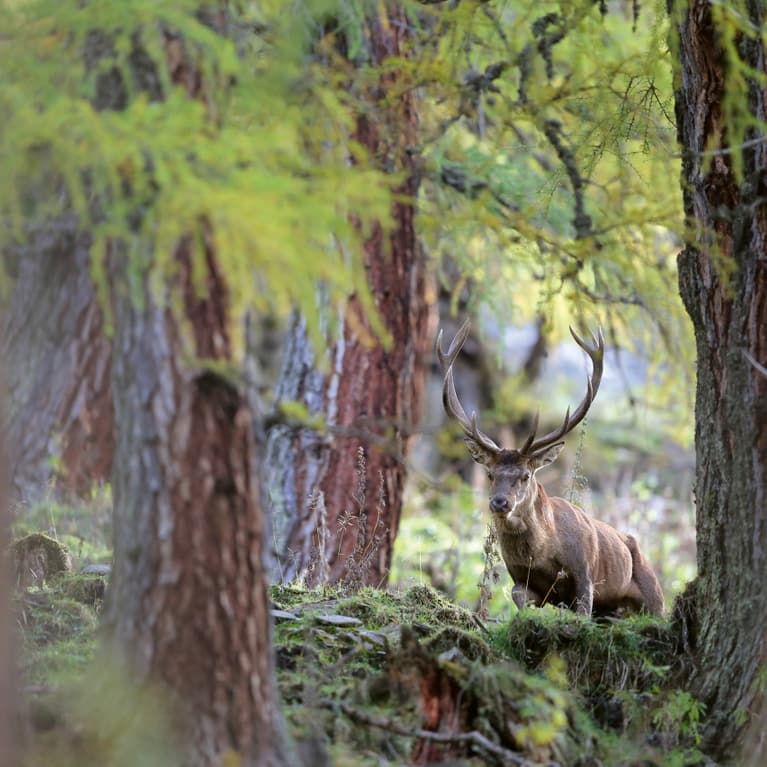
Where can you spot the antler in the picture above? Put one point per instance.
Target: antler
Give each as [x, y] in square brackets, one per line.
[596, 352]
[450, 399]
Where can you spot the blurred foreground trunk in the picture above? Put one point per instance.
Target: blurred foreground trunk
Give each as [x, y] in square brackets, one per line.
[57, 367]
[723, 281]
[337, 491]
[8, 696]
[188, 604]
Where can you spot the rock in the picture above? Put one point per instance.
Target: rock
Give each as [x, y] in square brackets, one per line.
[96, 570]
[284, 615]
[375, 638]
[37, 558]
[339, 620]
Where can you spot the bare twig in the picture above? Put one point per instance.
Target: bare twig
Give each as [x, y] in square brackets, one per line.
[760, 368]
[474, 738]
[488, 574]
[722, 152]
[553, 132]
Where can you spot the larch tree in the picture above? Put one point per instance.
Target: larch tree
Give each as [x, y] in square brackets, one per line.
[721, 118]
[528, 182]
[212, 181]
[337, 485]
[190, 578]
[57, 366]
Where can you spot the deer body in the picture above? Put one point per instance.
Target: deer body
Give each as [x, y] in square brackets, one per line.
[564, 557]
[552, 549]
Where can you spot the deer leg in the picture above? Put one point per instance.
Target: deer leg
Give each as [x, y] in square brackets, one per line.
[644, 581]
[524, 595]
[584, 594]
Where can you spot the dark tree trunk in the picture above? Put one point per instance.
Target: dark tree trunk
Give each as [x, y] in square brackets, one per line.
[338, 496]
[188, 601]
[57, 363]
[723, 281]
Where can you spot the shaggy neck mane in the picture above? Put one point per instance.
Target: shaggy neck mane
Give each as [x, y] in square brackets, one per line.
[542, 505]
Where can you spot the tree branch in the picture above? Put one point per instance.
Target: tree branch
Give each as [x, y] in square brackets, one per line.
[582, 221]
[477, 740]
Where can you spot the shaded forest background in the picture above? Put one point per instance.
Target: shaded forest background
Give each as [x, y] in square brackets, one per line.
[230, 233]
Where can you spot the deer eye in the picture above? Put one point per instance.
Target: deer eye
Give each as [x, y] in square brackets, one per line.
[526, 476]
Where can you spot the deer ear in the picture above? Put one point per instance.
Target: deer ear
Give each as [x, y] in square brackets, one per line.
[545, 457]
[478, 453]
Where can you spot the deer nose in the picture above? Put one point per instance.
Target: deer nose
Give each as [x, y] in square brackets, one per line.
[499, 504]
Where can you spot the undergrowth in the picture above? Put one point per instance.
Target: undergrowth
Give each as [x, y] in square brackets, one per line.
[370, 676]
[365, 677]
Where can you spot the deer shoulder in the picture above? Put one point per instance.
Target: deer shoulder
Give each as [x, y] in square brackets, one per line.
[552, 549]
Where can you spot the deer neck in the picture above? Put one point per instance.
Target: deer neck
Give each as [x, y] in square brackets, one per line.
[530, 517]
[542, 506]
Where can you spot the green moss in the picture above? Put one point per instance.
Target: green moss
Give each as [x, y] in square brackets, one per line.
[432, 608]
[86, 589]
[469, 644]
[529, 712]
[615, 654]
[59, 662]
[58, 628]
[59, 637]
[287, 596]
[38, 557]
[48, 617]
[547, 686]
[376, 608]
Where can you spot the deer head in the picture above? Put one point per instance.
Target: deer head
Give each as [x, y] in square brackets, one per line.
[512, 471]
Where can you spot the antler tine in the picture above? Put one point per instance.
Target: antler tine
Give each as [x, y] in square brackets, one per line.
[450, 399]
[446, 359]
[531, 437]
[452, 404]
[481, 437]
[596, 353]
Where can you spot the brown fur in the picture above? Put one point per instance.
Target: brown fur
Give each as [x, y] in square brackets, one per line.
[556, 553]
[553, 550]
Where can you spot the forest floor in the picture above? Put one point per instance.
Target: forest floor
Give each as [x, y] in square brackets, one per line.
[382, 678]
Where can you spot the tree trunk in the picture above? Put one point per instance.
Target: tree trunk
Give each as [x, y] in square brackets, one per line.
[337, 496]
[723, 281]
[57, 363]
[8, 695]
[188, 601]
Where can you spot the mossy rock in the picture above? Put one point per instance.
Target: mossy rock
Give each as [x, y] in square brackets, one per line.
[433, 608]
[374, 607]
[86, 589]
[470, 645]
[37, 558]
[286, 596]
[614, 654]
[49, 617]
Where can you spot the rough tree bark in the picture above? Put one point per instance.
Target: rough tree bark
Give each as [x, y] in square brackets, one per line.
[188, 601]
[337, 497]
[723, 281]
[57, 367]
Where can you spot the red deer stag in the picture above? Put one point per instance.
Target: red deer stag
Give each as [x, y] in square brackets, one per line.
[554, 552]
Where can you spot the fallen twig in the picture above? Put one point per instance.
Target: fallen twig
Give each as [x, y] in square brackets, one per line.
[473, 738]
